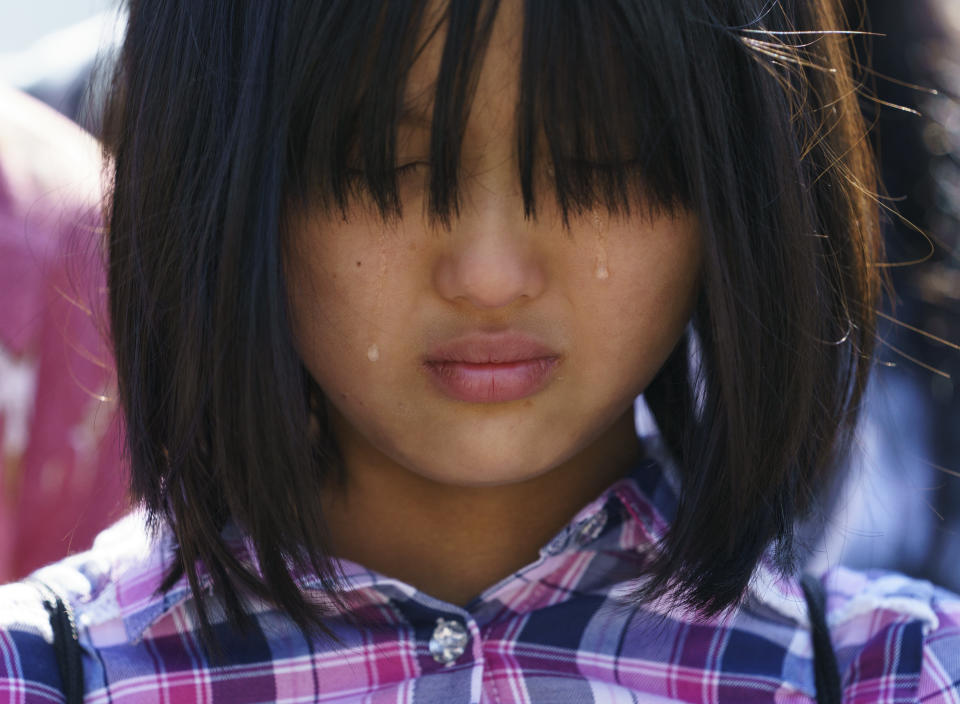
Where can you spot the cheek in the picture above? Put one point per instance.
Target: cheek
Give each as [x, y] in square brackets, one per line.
[667, 268]
[650, 295]
[327, 297]
[345, 292]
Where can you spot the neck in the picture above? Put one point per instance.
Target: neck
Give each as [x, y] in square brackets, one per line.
[454, 541]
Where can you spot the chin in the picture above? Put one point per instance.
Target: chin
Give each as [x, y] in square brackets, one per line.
[482, 471]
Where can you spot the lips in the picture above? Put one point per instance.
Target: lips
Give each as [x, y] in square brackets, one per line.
[491, 368]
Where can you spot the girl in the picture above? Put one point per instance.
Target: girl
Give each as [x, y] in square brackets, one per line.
[385, 279]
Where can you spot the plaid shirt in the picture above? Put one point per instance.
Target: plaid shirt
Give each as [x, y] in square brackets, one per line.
[551, 632]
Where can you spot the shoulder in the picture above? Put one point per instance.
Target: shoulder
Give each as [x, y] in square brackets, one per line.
[89, 583]
[896, 638]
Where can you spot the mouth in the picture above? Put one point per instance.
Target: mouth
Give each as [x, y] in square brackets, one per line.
[491, 368]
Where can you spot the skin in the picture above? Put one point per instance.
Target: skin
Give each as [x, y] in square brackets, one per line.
[452, 496]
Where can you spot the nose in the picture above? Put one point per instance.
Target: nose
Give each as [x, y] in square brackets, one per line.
[490, 260]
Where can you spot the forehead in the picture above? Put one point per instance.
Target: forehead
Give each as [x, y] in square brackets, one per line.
[567, 83]
[493, 92]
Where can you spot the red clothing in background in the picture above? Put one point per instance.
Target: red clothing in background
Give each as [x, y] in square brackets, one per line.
[60, 473]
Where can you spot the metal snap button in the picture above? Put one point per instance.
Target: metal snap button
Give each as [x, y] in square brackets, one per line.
[449, 641]
[592, 527]
[559, 543]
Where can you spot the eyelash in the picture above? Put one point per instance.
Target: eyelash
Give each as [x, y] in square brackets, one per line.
[626, 165]
[358, 178]
[412, 166]
[402, 170]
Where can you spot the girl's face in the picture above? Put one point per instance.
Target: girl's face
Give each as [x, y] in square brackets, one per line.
[496, 351]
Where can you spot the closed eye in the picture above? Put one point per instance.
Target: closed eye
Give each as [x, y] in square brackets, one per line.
[401, 170]
[410, 167]
[620, 165]
[575, 165]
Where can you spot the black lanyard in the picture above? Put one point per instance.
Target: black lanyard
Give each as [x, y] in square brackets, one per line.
[66, 644]
[825, 668]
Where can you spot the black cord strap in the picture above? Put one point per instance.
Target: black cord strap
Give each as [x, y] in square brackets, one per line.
[66, 642]
[825, 668]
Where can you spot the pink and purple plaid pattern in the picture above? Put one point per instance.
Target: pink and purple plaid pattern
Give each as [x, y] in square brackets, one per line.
[555, 631]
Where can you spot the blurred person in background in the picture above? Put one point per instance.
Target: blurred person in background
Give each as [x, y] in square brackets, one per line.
[62, 480]
[59, 444]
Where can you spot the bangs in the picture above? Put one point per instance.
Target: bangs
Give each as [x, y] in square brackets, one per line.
[594, 120]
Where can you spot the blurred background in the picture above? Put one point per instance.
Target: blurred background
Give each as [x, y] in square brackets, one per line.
[24, 23]
[901, 506]
[61, 477]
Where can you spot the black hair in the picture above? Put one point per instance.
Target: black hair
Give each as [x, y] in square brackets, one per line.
[224, 116]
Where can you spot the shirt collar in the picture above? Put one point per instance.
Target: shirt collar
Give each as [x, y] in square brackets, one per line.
[647, 497]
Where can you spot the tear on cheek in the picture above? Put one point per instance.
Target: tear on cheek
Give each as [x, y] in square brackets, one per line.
[600, 269]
